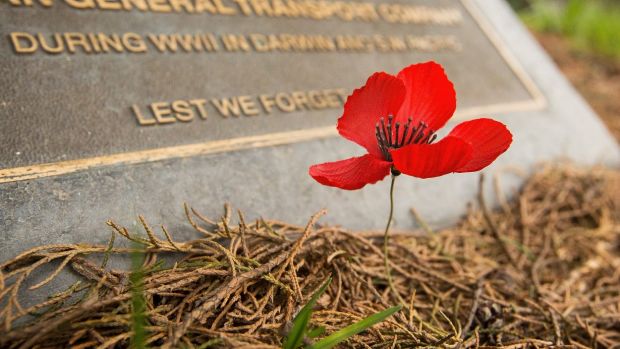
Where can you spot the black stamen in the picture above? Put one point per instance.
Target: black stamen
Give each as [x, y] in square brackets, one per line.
[421, 133]
[395, 144]
[414, 131]
[419, 138]
[384, 130]
[389, 136]
[389, 127]
[380, 141]
[378, 132]
[427, 138]
[402, 142]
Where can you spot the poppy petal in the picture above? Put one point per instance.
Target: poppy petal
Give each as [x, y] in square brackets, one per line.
[430, 95]
[351, 174]
[382, 95]
[488, 139]
[432, 160]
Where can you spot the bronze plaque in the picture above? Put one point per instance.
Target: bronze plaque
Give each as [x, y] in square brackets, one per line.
[87, 83]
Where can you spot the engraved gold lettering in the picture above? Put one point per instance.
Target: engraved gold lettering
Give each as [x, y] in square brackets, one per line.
[92, 38]
[312, 9]
[319, 10]
[244, 7]
[363, 11]
[162, 112]
[380, 43]
[248, 106]
[354, 43]
[23, 42]
[233, 43]
[301, 100]
[317, 99]
[279, 9]
[163, 42]
[58, 48]
[159, 6]
[81, 4]
[142, 121]
[223, 9]
[200, 105]
[267, 102]
[259, 41]
[284, 102]
[190, 42]
[46, 3]
[130, 4]
[205, 6]
[346, 12]
[182, 110]
[292, 42]
[74, 40]
[210, 42]
[187, 42]
[112, 40]
[331, 99]
[227, 106]
[182, 5]
[396, 44]
[186, 110]
[109, 5]
[134, 43]
[343, 94]
[261, 7]
[433, 43]
[400, 13]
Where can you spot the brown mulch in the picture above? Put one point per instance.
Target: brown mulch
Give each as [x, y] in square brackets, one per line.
[596, 78]
[542, 271]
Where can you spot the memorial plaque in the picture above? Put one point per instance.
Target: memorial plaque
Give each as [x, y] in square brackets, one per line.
[101, 82]
[113, 108]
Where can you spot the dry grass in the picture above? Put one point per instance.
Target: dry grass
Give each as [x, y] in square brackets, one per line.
[542, 271]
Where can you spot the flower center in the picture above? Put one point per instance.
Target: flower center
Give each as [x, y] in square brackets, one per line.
[393, 136]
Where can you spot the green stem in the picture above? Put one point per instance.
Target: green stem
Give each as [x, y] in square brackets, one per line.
[386, 236]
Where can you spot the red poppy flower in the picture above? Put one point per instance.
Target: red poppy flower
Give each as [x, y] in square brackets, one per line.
[395, 118]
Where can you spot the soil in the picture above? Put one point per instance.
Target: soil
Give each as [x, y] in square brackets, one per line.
[596, 78]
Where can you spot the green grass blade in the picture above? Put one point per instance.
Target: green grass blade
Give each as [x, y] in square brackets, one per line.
[300, 323]
[315, 332]
[349, 331]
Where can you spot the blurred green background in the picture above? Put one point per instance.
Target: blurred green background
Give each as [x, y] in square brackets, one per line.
[590, 25]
